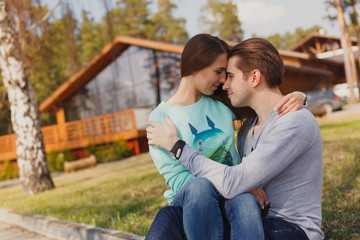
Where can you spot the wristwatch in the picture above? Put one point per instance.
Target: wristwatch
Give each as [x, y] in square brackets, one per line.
[176, 150]
[305, 100]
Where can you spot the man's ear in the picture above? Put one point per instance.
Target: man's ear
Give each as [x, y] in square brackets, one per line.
[256, 77]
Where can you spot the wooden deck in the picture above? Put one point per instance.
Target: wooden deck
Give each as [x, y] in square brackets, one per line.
[79, 134]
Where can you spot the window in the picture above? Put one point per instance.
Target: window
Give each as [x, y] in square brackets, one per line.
[130, 81]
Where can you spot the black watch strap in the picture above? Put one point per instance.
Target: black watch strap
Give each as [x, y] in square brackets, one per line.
[176, 150]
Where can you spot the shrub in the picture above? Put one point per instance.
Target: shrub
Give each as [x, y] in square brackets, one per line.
[9, 171]
[103, 153]
[120, 150]
[56, 160]
[110, 152]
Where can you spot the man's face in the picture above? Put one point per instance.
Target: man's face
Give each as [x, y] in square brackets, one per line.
[237, 84]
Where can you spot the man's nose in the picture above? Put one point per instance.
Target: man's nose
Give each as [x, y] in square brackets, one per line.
[226, 84]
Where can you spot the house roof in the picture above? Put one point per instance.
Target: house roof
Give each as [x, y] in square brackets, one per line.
[99, 62]
[324, 47]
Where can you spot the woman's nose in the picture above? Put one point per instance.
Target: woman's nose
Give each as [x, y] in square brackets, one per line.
[223, 78]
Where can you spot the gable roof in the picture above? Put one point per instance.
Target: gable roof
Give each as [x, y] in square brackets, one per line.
[316, 43]
[112, 50]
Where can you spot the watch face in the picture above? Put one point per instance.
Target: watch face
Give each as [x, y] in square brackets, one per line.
[178, 153]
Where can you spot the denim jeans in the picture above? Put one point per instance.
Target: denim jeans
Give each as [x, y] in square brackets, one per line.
[244, 215]
[203, 215]
[199, 212]
[168, 224]
[279, 229]
[199, 201]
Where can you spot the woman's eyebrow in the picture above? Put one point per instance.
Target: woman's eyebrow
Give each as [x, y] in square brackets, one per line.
[221, 68]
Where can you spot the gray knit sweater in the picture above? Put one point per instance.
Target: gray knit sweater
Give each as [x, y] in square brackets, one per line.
[285, 157]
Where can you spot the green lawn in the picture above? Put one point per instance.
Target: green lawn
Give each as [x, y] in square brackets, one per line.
[126, 195]
[122, 195]
[341, 187]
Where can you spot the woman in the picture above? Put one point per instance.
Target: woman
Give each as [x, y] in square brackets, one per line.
[207, 124]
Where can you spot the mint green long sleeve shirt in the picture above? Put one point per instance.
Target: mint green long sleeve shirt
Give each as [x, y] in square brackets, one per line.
[206, 126]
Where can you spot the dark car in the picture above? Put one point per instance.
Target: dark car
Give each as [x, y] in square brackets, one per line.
[324, 102]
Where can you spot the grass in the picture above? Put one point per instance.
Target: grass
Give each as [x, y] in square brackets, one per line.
[123, 195]
[126, 195]
[341, 186]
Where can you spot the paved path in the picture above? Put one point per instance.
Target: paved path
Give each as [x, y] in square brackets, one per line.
[25, 226]
[12, 232]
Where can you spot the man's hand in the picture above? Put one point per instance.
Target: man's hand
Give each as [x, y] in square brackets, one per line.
[290, 103]
[260, 195]
[162, 135]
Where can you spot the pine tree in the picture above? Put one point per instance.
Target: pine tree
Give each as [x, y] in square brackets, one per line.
[222, 19]
[164, 26]
[91, 38]
[130, 17]
[289, 39]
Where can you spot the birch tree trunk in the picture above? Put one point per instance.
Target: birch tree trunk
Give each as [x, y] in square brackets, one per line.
[34, 172]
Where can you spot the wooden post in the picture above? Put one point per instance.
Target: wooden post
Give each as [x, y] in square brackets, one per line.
[350, 72]
[357, 31]
[60, 118]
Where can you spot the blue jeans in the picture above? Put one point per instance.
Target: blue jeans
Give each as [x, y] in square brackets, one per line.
[279, 229]
[244, 215]
[168, 224]
[203, 215]
[198, 212]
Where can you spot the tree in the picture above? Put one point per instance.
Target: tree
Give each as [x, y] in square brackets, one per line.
[164, 26]
[91, 38]
[130, 17]
[34, 172]
[5, 121]
[222, 19]
[289, 39]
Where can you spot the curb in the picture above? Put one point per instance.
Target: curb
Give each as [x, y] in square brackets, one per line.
[61, 229]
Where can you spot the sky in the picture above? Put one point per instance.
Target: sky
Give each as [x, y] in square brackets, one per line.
[260, 17]
[266, 17]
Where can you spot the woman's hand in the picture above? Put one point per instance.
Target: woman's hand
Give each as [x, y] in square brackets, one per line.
[290, 103]
[162, 135]
[260, 195]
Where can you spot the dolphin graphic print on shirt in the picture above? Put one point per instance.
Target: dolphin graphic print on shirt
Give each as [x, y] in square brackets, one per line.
[221, 154]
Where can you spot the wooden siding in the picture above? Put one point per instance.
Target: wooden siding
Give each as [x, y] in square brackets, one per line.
[79, 134]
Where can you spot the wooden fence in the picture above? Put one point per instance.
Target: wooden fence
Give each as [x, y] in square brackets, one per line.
[79, 134]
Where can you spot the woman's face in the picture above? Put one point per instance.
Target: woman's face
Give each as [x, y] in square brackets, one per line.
[207, 80]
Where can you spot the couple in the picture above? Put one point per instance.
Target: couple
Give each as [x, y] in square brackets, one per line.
[279, 159]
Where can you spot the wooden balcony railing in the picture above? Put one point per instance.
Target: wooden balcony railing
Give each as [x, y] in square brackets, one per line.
[79, 134]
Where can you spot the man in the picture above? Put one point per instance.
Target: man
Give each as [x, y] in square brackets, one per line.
[283, 154]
